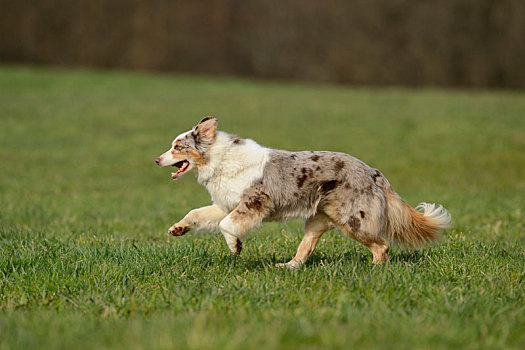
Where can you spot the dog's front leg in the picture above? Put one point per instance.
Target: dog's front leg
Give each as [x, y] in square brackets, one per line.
[201, 219]
[237, 225]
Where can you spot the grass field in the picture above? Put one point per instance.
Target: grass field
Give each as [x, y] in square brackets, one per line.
[85, 260]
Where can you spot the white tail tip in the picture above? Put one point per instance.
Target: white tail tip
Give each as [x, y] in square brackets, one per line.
[437, 213]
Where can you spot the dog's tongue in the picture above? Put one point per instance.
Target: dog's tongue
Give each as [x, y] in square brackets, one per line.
[180, 171]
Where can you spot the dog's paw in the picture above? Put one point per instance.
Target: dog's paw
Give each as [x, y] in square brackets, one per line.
[178, 230]
[292, 265]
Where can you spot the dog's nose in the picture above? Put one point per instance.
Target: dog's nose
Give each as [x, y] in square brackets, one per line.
[157, 160]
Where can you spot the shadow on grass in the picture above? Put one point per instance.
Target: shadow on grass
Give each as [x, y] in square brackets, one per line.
[245, 261]
[359, 257]
[349, 257]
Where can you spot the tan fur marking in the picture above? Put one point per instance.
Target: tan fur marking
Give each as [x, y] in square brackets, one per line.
[176, 147]
[197, 158]
[192, 155]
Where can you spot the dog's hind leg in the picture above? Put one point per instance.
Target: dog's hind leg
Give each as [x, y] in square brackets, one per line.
[314, 228]
[201, 219]
[380, 250]
[371, 239]
[364, 226]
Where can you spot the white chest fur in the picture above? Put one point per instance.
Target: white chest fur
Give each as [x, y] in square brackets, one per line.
[231, 169]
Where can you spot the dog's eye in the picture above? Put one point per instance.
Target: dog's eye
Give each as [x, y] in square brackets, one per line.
[177, 148]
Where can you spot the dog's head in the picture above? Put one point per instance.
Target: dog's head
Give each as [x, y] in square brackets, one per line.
[188, 150]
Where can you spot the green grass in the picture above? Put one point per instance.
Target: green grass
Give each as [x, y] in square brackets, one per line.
[85, 260]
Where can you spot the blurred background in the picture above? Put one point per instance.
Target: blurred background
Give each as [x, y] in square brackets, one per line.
[85, 258]
[464, 43]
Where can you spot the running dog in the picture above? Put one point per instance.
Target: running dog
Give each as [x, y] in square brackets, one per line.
[249, 184]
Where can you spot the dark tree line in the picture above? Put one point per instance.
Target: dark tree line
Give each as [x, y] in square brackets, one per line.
[478, 43]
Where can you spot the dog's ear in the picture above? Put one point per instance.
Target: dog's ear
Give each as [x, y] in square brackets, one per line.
[207, 128]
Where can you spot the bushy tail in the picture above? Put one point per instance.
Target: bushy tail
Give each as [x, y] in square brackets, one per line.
[411, 227]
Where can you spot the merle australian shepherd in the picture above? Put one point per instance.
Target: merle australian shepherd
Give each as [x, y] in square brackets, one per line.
[249, 184]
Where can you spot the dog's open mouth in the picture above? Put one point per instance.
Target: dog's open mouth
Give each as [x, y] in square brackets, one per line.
[183, 166]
